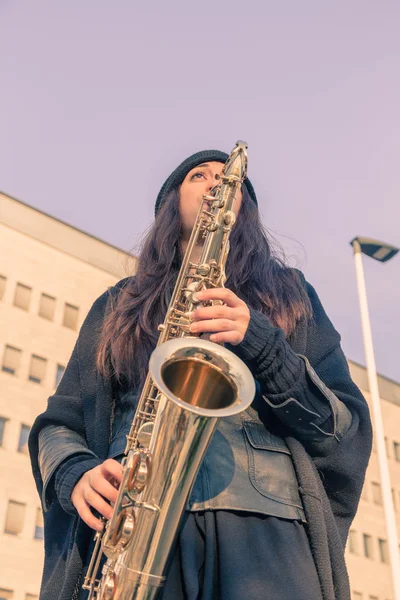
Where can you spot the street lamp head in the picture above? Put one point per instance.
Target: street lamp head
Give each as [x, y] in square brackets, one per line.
[373, 248]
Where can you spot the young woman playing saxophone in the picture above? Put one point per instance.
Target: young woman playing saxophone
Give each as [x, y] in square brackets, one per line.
[274, 498]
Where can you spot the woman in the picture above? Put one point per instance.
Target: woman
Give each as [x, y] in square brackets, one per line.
[279, 486]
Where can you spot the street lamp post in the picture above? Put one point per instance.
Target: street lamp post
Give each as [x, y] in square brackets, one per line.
[381, 252]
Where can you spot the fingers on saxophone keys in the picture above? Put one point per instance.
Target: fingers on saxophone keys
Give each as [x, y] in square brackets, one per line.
[87, 516]
[214, 312]
[98, 503]
[214, 325]
[112, 470]
[106, 489]
[222, 294]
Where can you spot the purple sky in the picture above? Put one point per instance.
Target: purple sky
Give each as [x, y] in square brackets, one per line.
[100, 100]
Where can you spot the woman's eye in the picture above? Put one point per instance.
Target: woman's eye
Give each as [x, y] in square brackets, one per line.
[197, 175]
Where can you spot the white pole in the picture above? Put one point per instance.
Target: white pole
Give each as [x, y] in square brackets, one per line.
[379, 435]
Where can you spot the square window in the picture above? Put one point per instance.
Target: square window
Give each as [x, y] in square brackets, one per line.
[368, 547]
[37, 370]
[31, 597]
[15, 518]
[396, 451]
[22, 296]
[47, 307]
[352, 542]
[3, 281]
[383, 551]
[59, 373]
[23, 439]
[39, 526]
[6, 594]
[70, 316]
[11, 360]
[376, 493]
[356, 596]
[3, 422]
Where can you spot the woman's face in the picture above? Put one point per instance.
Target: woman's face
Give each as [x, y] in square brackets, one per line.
[197, 182]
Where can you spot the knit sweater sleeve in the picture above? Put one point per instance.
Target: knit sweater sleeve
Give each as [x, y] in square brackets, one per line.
[297, 388]
[67, 476]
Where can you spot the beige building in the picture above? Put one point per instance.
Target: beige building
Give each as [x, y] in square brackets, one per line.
[50, 274]
[367, 552]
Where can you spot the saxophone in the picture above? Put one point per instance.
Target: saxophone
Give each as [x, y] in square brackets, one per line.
[191, 383]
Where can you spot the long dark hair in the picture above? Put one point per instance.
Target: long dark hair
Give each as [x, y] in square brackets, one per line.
[255, 272]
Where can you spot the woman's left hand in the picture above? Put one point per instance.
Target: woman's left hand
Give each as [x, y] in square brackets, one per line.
[227, 322]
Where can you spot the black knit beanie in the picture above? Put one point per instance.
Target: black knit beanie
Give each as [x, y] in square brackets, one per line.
[190, 163]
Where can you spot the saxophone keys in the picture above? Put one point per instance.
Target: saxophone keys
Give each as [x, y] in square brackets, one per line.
[212, 226]
[108, 587]
[229, 217]
[122, 534]
[146, 430]
[208, 198]
[140, 472]
[203, 269]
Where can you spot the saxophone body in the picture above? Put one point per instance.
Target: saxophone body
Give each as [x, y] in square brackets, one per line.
[191, 383]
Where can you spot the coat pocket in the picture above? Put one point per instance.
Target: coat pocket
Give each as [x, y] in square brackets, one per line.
[271, 468]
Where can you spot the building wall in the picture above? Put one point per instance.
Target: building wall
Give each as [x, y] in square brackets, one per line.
[371, 576]
[69, 279]
[53, 258]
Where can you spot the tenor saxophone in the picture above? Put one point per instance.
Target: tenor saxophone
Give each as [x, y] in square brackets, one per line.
[191, 383]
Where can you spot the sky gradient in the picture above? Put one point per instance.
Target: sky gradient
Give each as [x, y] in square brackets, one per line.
[100, 101]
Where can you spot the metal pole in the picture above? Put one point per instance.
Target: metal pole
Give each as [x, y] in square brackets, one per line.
[388, 507]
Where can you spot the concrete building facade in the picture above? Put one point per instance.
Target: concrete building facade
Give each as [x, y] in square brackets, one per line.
[50, 274]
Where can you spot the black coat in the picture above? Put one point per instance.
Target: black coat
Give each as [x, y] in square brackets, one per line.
[330, 480]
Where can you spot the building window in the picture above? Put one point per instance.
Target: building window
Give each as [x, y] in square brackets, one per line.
[356, 596]
[376, 493]
[396, 451]
[22, 296]
[39, 527]
[383, 551]
[373, 598]
[23, 439]
[70, 316]
[3, 422]
[352, 542]
[37, 369]
[3, 281]
[394, 500]
[59, 373]
[6, 594]
[31, 597]
[15, 517]
[367, 542]
[47, 307]
[11, 360]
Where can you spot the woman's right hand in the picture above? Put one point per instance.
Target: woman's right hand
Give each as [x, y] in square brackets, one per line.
[94, 488]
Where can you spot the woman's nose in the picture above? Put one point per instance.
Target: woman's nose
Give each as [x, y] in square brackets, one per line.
[213, 181]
